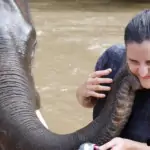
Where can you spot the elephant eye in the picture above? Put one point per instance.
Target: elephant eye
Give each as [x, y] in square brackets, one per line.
[33, 47]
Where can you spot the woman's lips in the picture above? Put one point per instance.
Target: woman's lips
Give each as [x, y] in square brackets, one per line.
[146, 77]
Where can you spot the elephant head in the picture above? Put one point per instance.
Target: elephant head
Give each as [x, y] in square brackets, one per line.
[20, 129]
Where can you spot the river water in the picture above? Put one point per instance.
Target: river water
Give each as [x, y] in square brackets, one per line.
[71, 36]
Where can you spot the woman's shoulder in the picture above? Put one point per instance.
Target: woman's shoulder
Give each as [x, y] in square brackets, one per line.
[111, 58]
[115, 51]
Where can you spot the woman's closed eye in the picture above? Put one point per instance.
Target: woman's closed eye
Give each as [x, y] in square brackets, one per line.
[134, 61]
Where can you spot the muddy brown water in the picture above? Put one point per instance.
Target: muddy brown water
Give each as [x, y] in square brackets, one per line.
[71, 36]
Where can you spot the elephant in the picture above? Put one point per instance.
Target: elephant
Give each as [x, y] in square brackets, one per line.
[20, 128]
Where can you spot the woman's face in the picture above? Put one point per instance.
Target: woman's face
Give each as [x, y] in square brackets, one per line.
[138, 59]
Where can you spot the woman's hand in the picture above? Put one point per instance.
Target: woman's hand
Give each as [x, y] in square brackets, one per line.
[93, 88]
[123, 144]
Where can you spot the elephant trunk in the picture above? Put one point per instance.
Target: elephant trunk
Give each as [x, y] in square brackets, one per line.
[20, 128]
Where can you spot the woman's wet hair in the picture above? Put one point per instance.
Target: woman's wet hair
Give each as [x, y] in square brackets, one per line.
[138, 29]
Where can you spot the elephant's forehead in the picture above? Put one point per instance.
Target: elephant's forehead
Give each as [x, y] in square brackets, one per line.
[15, 27]
[14, 19]
[13, 24]
[23, 7]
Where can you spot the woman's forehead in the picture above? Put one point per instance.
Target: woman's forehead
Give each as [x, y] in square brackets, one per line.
[139, 50]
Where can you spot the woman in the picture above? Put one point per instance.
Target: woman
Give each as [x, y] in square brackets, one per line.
[136, 133]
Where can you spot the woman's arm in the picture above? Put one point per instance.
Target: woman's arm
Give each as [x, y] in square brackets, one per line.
[92, 89]
[98, 83]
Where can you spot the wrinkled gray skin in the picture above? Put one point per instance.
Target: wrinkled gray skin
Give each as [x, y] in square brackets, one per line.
[20, 129]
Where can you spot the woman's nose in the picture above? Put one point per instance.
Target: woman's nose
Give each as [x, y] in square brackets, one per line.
[143, 70]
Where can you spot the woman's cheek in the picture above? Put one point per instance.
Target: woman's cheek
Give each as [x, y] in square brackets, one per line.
[133, 69]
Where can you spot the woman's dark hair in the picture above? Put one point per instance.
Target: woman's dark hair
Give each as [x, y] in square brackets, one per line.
[138, 29]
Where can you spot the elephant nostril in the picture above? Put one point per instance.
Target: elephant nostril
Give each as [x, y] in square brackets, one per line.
[135, 83]
[3, 140]
[2, 147]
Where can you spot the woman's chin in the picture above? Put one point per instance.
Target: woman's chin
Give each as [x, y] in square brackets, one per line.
[145, 84]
